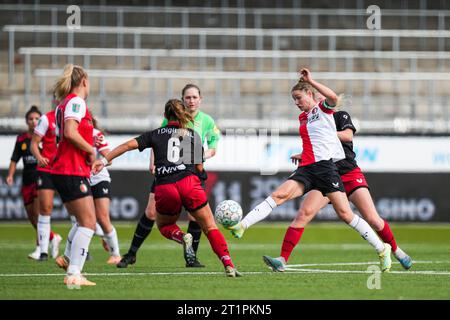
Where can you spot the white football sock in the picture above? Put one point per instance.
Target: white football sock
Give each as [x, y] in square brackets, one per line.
[70, 239]
[113, 242]
[260, 212]
[360, 225]
[399, 253]
[99, 231]
[43, 229]
[80, 247]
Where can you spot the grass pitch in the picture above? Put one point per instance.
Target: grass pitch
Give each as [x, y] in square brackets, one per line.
[331, 262]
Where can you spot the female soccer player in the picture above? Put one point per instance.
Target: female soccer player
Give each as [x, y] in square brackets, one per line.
[178, 159]
[357, 191]
[321, 148]
[45, 133]
[29, 193]
[204, 125]
[71, 166]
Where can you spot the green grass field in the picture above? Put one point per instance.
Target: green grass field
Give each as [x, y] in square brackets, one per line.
[330, 263]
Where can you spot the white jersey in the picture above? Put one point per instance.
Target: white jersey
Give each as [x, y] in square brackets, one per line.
[100, 144]
[319, 135]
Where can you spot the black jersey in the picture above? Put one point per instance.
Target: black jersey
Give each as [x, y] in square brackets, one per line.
[343, 122]
[22, 150]
[176, 150]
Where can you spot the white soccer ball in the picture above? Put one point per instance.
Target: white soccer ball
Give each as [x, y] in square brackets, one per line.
[228, 213]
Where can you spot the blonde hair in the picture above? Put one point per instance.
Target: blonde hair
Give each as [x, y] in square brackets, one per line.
[71, 78]
[176, 110]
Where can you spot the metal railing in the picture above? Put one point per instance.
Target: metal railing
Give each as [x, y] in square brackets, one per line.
[276, 57]
[259, 35]
[229, 102]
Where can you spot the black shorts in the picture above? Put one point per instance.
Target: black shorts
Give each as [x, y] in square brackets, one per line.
[203, 176]
[322, 176]
[44, 180]
[101, 190]
[71, 187]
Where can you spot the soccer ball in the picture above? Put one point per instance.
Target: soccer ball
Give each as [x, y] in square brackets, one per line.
[228, 213]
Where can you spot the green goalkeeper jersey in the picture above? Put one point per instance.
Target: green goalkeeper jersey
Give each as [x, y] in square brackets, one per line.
[205, 126]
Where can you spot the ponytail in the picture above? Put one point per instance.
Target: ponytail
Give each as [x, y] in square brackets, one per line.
[71, 78]
[176, 110]
[33, 109]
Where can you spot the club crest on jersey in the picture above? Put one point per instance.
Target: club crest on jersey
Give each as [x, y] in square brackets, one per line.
[24, 146]
[314, 115]
[83, 188]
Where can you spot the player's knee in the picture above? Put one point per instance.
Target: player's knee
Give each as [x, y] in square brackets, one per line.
[280, 196]
[345, 215]
[305, 212]
[150, 212]
[45, 208]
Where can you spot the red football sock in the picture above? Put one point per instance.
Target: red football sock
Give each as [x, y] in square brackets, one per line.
[172, 232]
[291, 238]
[51, 235]
[220, 247]
[387, 236]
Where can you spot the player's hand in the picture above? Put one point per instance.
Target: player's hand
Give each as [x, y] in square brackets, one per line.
[153, 169]
[42, 162]
[296, 158]
[97, 166]
[9, 180]
[305, 75]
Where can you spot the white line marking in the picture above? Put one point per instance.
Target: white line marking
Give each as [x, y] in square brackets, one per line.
[356, 263]
[366, 272]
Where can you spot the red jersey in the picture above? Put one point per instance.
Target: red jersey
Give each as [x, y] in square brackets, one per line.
[70, 160]
[46, 129]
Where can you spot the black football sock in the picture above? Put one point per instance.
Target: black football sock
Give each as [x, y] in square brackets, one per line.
[143, 229]
[196, 232]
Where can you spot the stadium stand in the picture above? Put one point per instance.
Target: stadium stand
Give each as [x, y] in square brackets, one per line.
[243, 55]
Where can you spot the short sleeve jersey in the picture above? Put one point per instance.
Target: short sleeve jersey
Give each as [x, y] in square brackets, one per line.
[100, 144]
[205, 126]
[46, 129]
[22, 151]
[176, 150]
[319, 137]
[343, 122]
[70, 160]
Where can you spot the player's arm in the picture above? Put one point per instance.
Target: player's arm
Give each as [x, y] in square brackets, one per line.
[212, 140]
[152, 162]
[34, 147]
[13, 164]
[345, 135]
[98, 165]
[331, 98]
[11, 172]
[73, 136]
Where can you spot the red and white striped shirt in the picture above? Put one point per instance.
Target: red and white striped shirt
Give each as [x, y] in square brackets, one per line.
[319, 135]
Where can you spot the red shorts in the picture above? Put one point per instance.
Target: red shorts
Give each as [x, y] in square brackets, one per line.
[353, 180]
[187, 192]
[29, 193]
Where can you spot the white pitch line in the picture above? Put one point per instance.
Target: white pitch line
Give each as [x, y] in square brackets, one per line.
[356, 263]
[367, 272]
[122, 274]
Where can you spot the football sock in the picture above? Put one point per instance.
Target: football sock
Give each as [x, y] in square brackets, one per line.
[360, 225]
[291, 238]
[69, 240]
[260, 212]
[43, 228]
[98, 230]
[196, 232]
[399, 253]
[73, 219]
[387, 236]
[80, 247]
[172, 232]
[113, 242]
[143, 229]
[220, 247]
